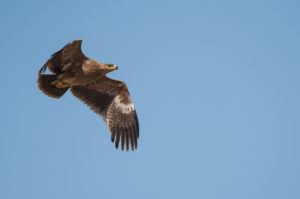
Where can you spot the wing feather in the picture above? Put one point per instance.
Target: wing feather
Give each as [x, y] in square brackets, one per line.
[127, 139]
[132, 139]
[117, 139]
[68, 57]
[98, 101]
[123, 139]
[111, 100]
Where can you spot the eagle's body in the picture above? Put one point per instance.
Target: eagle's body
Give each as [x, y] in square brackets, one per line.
[87, 80]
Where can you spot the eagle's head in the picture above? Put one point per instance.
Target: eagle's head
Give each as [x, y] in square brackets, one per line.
[111, 67]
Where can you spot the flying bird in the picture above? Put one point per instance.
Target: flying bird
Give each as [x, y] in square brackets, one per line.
[86, 78]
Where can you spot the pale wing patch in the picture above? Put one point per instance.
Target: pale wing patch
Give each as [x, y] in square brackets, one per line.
[125, 108]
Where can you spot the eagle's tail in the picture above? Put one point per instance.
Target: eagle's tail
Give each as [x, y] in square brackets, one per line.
[44, 82]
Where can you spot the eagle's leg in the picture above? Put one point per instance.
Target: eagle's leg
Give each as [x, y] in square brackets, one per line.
[61, 85]
[47, 86]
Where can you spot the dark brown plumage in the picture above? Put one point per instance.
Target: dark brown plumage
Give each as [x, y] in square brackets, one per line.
[87, 81]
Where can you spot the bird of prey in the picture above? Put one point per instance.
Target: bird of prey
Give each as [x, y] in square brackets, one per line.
[86, 79]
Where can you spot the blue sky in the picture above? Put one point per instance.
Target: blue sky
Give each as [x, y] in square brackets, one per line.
[215, 84]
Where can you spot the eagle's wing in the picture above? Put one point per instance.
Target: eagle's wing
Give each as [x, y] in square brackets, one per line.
[111, 99]
[68, 57]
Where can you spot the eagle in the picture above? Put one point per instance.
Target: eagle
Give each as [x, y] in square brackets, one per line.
[86, 78]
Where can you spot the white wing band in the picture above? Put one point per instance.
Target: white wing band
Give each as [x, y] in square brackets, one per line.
[125, 108]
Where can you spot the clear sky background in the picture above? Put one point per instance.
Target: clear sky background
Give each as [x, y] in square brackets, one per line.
[215, 84]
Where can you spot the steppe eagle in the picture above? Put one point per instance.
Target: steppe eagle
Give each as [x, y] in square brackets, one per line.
[87, 81]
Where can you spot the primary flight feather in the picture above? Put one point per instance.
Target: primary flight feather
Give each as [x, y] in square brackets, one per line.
[86, 79]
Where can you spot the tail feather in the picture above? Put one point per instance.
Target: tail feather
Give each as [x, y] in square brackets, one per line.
[44, 82]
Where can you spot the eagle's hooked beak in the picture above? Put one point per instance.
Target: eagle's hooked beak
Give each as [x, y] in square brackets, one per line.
[113, 67]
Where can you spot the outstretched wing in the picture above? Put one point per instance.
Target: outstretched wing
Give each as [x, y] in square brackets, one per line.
[68, 57]
[111, 99]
